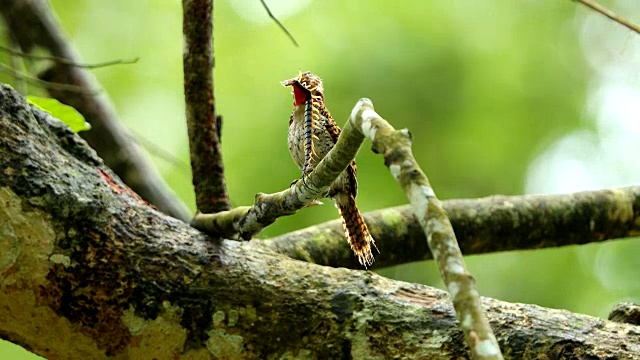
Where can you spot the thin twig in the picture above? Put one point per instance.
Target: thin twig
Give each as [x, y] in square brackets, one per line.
[204, 144]
[610, 14]
[69, 62]
[16, 63]
[50, 85]
[159, 151]
[279, 23]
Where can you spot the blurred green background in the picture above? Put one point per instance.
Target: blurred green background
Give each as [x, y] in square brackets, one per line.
[501, 97]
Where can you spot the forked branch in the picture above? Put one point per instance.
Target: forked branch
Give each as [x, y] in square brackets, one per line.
[246, 221]
[396, 148]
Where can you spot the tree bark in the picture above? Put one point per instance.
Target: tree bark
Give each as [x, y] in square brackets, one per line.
[89, 270]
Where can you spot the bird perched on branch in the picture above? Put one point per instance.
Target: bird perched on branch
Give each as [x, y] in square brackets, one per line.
[312, 133]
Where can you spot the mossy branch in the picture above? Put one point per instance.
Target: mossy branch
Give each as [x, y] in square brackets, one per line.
[520, 222]
[90, 272]
[395, 146]
[245, 222]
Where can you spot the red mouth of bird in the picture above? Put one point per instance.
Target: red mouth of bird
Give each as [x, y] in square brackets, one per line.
[300, 93]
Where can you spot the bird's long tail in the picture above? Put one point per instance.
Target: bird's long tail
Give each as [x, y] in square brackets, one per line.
[355, 229]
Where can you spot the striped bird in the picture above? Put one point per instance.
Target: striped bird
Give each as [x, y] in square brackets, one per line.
[312, 133]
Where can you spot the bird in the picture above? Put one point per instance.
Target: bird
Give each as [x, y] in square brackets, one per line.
[312, 133]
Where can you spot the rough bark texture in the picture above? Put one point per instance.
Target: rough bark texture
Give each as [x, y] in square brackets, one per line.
[204, 134]
[87, 271]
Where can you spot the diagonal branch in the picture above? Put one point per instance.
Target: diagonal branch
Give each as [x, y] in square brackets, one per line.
[395, 146]
[280, 25]
[610, 14]
[246, 221]
[32, 24]
[520, 222]
[204, 143]
[67, 61]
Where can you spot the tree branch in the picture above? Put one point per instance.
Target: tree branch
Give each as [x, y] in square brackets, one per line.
[610, 14]
[66, 61]
[204, 143]
[89, 271]
[395, 146]
[282, 27]
[520, 222]
[246, 221]
[32, 24]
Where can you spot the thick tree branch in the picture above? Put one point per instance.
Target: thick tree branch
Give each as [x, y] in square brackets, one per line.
[32, 24]
[204, 143]
[88, 271]
[520, 222]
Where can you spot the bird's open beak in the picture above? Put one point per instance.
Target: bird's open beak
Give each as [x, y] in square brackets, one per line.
[289, 82]
[292, 81]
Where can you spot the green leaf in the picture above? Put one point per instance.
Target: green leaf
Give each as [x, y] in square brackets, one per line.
[66, 113]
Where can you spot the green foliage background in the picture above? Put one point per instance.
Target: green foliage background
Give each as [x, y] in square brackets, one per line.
[485, 88]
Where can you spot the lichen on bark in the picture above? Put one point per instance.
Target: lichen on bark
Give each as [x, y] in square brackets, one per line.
[138, 282]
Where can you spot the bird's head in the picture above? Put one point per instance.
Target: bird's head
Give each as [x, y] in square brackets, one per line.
[303, 85]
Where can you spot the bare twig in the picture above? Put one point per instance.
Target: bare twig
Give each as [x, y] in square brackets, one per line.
[520, 222]
[293, 40]
[49, 85]
[32, 24]
[17, 63]
[610, 14]
[204, 143]
[67, 61]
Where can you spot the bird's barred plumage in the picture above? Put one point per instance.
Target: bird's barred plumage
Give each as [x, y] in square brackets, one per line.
[310, 116]
[312, 133]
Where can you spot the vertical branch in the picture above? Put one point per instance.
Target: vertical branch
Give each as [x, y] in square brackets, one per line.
[204, 143]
